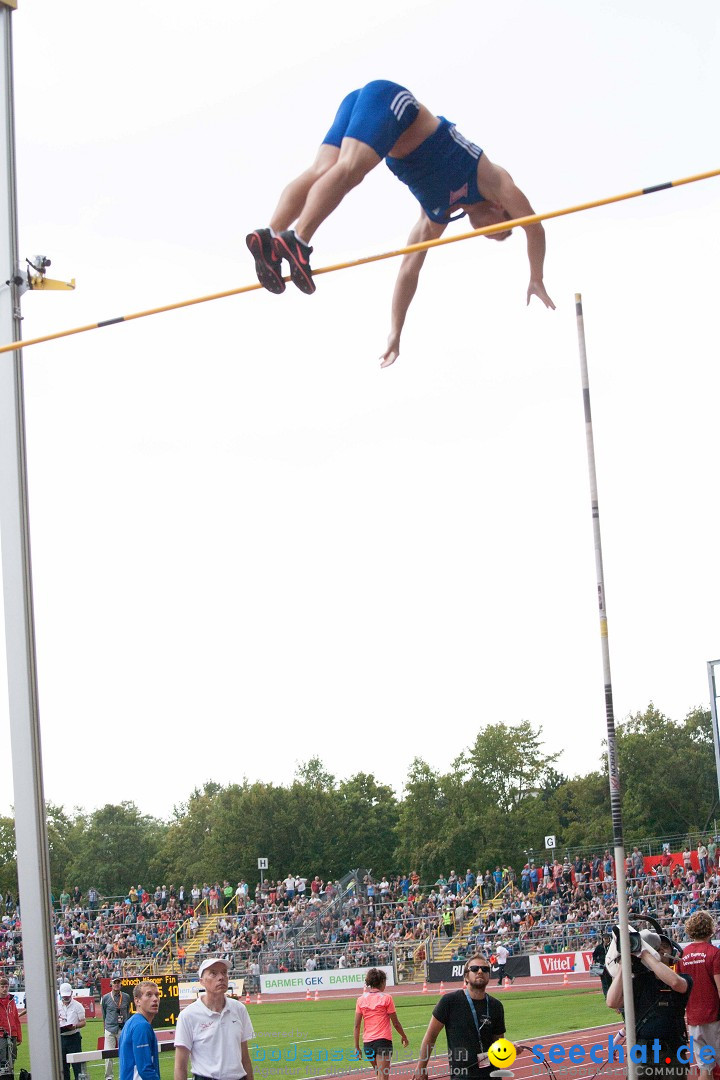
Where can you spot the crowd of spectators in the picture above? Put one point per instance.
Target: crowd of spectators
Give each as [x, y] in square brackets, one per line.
[570, 905]
[303, 923]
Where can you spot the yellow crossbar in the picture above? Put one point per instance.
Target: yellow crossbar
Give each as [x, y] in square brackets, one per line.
[424, 246]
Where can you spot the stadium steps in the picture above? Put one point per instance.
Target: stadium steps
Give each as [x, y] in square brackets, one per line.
[207, 928]
[166, 962]
[471, 925]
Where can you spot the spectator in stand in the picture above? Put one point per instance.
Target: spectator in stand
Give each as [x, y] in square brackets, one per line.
[712, 849]
[71, 1016]
[375, 1011]
[701, 961]
[93, 902]
[702, 853]
[139, 1058]
[115, 1012]
[687, 859]
[665, 864]
[289, 884]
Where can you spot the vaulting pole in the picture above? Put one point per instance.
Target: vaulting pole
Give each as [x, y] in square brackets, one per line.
[531, 219]
[613, 774]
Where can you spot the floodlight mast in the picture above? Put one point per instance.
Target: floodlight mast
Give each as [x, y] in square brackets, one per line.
[613, 774]
[30, 828]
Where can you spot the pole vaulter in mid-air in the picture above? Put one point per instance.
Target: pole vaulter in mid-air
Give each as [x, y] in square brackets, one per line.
[448, 175]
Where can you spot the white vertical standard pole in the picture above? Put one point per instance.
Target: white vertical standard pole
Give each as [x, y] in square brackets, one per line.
[613, 774]
[711, 666]
[30, 828]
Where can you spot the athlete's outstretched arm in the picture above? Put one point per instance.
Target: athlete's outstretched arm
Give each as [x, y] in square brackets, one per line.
[406, 284]
[496, 183]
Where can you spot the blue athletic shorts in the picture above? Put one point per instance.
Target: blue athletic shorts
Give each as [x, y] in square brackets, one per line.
[377, 115]
[442, 172]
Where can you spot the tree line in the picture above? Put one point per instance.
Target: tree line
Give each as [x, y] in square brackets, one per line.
[500, 798]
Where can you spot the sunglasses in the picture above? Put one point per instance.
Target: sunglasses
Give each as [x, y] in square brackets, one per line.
[478, 967]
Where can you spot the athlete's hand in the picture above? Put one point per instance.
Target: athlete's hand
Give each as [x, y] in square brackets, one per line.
[392, 352]
[536, 288]
[405, 1041]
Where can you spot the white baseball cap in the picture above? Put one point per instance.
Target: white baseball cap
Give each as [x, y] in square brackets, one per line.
[65, 990]
[209, 963]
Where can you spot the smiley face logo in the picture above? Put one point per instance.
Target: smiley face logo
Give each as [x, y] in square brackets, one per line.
[502, 1053]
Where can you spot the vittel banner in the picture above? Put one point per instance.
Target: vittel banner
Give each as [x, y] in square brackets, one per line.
[300, 982]
[560, 963]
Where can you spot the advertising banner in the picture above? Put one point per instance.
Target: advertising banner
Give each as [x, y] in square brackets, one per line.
[560, 963]
[299, 982]
[452, 970]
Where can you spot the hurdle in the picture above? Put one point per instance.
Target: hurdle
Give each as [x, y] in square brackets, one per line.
[102, 1055]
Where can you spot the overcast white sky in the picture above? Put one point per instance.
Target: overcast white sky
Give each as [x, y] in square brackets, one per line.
[250, 544]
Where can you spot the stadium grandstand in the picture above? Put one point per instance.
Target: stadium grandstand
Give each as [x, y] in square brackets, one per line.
[303, 923]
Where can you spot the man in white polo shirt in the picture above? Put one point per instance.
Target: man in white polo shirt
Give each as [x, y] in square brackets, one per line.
[214, 1030]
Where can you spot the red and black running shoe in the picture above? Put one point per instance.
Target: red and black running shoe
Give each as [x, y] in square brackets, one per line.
[268, 262]
[298, 255]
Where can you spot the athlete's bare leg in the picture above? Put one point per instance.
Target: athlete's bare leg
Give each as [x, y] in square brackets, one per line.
[382, 1065]
[291, 202]
[355, 160]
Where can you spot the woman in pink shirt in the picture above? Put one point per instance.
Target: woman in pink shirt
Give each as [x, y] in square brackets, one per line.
[376, 1010]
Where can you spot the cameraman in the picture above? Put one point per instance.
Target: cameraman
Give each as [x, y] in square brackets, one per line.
[660, 996]
[115, 1011]
[10, 1030]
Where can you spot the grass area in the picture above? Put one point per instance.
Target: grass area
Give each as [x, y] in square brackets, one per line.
[306, 1038]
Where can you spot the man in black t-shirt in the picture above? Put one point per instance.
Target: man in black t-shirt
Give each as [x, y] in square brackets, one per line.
[472, 1020]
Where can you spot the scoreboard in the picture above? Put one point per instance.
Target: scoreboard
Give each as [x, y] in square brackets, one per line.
[169, 1009]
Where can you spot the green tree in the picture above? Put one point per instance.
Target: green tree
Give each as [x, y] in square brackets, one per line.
[422, 843]
[185, 856]
[580, 810]
[365, 825]
[8, 858]
[507, 761]
[667, 773]
[115, 850]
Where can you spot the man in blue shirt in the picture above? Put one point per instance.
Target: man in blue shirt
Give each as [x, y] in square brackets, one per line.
[447, 174]
[138, 1044]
